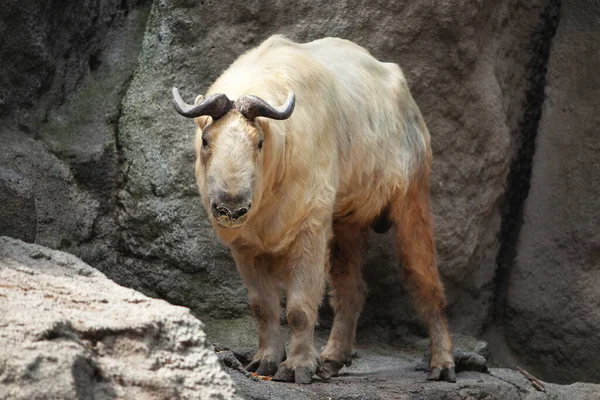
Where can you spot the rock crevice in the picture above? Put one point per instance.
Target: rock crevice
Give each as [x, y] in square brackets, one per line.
[519, 176]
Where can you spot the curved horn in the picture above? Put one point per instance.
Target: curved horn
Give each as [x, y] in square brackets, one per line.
[251, 106]
[215, 105]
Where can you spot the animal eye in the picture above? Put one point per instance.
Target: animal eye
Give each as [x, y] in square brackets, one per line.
[204, 142]
[260, 143]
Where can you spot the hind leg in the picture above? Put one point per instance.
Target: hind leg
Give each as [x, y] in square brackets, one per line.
[414, 233]
[347, 295]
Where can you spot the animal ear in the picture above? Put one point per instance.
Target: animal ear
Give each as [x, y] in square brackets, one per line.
[202, 121]
[264, 125]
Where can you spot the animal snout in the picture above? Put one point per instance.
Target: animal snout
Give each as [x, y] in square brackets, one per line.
[223, 210]
[231, 208]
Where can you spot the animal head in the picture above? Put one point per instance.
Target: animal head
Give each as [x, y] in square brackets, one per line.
[229, 151]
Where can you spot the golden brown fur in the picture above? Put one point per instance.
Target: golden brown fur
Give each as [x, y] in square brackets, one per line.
[355, 145]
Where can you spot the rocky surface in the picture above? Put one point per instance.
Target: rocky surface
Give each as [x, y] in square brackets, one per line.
[381, 372]
[94, 160]
[64, 69]
[553, 299]
[18, 212]
[68, 332]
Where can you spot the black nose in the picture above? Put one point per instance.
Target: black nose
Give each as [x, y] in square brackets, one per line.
[232, 211]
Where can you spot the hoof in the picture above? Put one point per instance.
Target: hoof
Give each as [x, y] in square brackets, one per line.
[266, 366]
[301, 375]
[445, 374]
[333, 367]
[263, 367]
[334, 364]
[284, 374]
[323, 372]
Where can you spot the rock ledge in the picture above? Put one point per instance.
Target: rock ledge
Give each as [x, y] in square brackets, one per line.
[68, 332]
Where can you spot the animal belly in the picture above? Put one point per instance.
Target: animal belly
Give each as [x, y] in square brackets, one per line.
[360, 208]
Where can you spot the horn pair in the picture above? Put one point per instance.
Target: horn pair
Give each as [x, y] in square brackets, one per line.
[250, 106]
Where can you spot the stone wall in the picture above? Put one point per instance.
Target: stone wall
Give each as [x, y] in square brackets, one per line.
[553, 302]
[94, 160]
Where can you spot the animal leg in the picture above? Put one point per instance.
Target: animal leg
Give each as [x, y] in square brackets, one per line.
[414, 233]
[307, 263]
[264, 296]
[347, 295]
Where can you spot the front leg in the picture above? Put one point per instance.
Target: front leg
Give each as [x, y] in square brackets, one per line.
[264, 296]
[307, 263]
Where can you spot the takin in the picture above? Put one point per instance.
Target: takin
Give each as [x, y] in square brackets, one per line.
[300, 148]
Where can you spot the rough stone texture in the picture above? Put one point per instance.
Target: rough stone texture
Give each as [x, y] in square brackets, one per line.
[553, 297]
[391, 377]
[58, 129]
[46, 48]
[18, 216]
[393, 372]
[465, 64]
[68, 332]
[110, 178]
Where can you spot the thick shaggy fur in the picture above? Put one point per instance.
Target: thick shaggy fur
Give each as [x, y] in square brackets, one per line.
[355, 148]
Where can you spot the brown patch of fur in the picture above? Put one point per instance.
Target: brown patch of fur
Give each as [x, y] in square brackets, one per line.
[414, 233]
[297, 320]
[348, 291]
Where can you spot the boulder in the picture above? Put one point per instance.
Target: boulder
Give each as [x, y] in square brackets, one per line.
[69, 332]
[553, 295]
[18, 216]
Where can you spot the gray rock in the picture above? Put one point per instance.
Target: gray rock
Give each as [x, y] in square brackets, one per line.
[63, 140]
[18, 216]
[47, 47]
[553, 297]
[68, 332]
[64, 214]
[470, 344]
